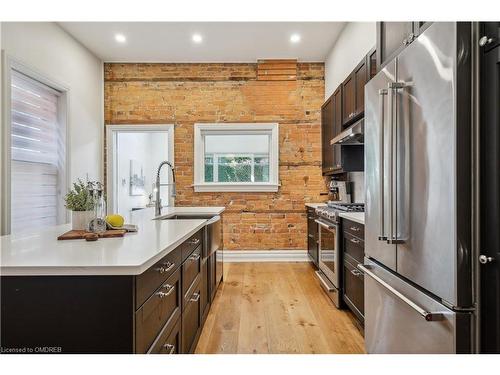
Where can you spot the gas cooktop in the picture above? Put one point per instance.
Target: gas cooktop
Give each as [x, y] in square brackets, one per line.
[332, 209]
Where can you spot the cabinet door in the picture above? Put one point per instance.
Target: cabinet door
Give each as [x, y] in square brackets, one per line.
[360, 77]
[349, 98]
[337, 126]
[312, 236]
[326, 136]
[191, 320]
[371, 64]
[392, 37]
[205, 292]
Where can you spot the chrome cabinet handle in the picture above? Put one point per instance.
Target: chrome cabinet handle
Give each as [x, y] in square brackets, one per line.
[382, 237]
[354, 229]
[170, 348]
[356, 272]
[195, 297]
[483, 259]
[161, 269]
[168, 266]
[353, 240]
[194, 257]
[427, 315]
[196, 241]
[484, 41]
[170, 289]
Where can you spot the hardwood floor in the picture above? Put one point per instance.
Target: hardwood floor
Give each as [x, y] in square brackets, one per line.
[276, 308]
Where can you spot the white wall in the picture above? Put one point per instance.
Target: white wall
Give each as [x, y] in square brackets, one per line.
[148, 149]
[47, 49]
[355, 40]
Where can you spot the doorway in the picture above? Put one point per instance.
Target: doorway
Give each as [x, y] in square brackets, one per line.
[133, 156]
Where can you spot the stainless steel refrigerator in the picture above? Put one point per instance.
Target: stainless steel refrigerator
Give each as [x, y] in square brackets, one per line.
[418, 274]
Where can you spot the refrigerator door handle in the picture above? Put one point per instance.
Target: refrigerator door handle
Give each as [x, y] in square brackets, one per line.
[390, 90]
[427, 315]
[382, 237]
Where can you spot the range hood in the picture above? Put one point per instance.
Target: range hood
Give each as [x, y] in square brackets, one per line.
[353, 135]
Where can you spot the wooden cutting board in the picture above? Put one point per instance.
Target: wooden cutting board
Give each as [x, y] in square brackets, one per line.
[80, 234]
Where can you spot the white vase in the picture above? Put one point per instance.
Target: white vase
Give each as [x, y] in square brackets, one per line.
[80, 219]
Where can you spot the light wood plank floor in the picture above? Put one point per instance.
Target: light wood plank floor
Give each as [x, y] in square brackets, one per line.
[276, 308]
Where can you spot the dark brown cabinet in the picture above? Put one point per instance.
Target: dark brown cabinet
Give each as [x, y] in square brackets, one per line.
[337, 126]
[393, 37]
[161, 310]
[348, 98]
[371, 63]
[192, 319]
[312, 235]
[353, 279]
[327, 133]
[353, 93]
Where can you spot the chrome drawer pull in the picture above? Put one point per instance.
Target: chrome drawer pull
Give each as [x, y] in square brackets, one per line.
[168, 266]
[427, 315]
[356, 272]
[161, 269]
[195, 257]
[195, 297]
[354, 229]
[161, 294]
[353, 240]
[170, 348]
[170, 289]
[196, 241]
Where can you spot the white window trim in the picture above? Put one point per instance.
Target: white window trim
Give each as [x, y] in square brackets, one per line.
[9, 64]
[201, 129]
[111, 132]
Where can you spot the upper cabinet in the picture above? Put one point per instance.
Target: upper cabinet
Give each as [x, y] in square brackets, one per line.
[327, 133]
[353, 89]
[393, 37]
[337, 126]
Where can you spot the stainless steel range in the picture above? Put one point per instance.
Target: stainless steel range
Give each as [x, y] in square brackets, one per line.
[329, 246]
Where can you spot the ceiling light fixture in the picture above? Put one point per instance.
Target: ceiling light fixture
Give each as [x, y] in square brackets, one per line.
[120, 38]
[197, 38]
[295, 38]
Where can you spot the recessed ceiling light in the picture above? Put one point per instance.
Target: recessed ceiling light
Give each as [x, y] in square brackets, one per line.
[120, 38]
[295, 38]
[197, 38]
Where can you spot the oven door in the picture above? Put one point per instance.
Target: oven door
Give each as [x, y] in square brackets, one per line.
[328, 251]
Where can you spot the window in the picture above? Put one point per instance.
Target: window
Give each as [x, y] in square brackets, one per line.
[37, 155]
[236, 157]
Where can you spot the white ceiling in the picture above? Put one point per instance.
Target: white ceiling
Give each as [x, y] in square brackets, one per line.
[222, 42]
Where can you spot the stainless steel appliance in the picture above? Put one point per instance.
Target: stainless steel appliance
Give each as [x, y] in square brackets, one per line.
[353, 135]
[418, 284]
[329, 261]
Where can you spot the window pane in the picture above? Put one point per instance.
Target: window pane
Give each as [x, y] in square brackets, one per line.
[209, 168]
[235, 169]
[237, 157]
[37, 155]
[261, 169]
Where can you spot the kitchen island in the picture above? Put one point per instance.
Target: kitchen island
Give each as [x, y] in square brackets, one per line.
[148, 292]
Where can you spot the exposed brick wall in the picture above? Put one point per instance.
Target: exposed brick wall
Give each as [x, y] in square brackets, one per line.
[187, 93]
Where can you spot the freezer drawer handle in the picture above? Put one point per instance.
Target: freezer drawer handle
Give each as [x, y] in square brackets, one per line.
[428, 316]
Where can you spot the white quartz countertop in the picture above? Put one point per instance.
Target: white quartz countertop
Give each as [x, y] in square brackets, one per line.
[358, 217]
[315, 205]
[40, 253]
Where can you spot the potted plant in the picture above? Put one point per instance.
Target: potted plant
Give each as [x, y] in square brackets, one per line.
[81, 203]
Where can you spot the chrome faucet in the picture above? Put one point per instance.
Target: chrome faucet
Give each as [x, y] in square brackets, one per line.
[173, 193]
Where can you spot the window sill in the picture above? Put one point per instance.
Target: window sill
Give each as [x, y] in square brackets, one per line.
[234, 187]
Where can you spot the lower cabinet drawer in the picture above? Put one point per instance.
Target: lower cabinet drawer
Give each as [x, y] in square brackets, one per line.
[191, 268]
[354, 247]
[169, 341]
[163, 306]
[191, 320]
[147, 282]
[354, 289]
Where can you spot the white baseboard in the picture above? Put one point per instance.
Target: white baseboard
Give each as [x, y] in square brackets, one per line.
[234, 256]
